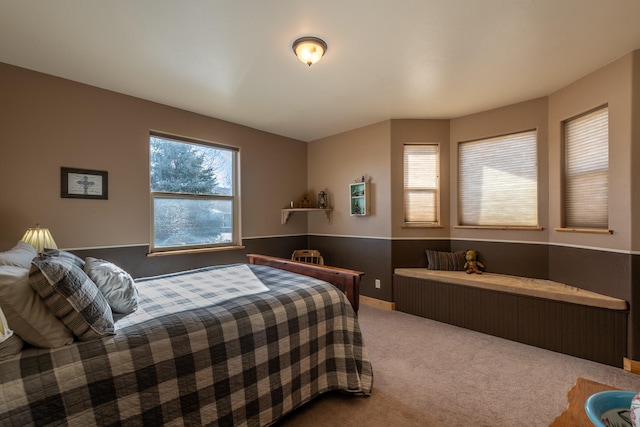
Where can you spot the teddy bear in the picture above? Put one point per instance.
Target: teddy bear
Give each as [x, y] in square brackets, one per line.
[471, 265]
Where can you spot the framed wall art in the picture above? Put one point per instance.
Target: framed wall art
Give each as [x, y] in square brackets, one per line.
[84, 184]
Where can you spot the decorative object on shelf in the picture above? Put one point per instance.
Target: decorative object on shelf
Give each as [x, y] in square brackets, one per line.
[323, 201]
[39, 238]
[305, 201]
[309, 49]
[83, 184]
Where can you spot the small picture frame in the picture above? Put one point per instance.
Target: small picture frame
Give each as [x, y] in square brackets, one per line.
[83, 184]
[305, 201]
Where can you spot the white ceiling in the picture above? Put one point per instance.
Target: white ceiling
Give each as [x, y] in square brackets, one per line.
[386, 59]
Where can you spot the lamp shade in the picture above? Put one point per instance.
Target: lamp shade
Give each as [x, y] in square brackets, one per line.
[309, 49]
[39, 238]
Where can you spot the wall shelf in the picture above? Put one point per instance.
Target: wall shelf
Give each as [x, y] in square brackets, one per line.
[286, 213]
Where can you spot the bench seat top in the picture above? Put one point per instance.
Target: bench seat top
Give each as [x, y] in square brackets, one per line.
[540, 288]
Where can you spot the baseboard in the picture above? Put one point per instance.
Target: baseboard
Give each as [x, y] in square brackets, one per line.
[631, 366]
[377, 303]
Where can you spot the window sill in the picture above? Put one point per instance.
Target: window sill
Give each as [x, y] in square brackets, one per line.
[422, 226]
[194, 251]
[583, 230]
[491, 227]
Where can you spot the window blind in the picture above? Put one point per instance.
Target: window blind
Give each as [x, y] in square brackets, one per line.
[497, 182]
[421, 183]
[586, 170]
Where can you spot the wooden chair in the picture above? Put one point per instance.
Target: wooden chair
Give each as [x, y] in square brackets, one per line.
[308, 255]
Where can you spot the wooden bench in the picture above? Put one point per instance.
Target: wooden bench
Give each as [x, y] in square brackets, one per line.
[542, 313]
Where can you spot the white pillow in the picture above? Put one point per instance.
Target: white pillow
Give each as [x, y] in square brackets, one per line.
[27, 314]
[10, 343]
[20, 255]
[116, 285]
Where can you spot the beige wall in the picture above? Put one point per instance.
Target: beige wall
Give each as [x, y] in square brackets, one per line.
[610, 85]
[339, 160]
[635, 152]
[49, 122]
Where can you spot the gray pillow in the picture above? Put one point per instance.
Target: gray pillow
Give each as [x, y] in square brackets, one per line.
[72, 297]
[116, 285]
[20, 255]
[27, 314]
[58, 253]
[451, 261]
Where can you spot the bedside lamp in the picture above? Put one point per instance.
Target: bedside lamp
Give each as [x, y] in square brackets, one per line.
[39, 238]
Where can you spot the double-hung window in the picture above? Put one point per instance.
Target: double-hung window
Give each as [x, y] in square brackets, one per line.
[586, 171]
[421, 184]
[194, 194]
[498, 181]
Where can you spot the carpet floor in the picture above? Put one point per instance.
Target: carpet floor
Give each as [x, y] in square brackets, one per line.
[428, 373]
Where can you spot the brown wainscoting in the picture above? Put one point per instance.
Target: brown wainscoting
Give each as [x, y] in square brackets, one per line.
[372, 256]
[411, 253]
[518, 259]
[608, 273]
[634, 303]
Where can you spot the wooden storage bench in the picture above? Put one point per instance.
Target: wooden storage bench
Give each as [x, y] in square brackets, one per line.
[537, 312]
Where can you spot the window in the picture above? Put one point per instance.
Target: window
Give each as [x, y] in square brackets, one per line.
[421, 184]
[586, 170]
[498, 181]
[194, 197]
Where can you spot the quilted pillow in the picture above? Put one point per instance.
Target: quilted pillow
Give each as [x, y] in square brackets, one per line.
[57, 253]
[10, 343]
[116, 285]
[72, 297]
[27, 314]
[20, 255]
[451, 261]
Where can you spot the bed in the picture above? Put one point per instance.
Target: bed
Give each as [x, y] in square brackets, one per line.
[202, 348]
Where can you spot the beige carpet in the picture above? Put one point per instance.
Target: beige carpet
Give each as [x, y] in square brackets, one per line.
[428, 373]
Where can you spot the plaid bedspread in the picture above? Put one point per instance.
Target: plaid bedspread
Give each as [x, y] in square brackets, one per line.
[196, 353]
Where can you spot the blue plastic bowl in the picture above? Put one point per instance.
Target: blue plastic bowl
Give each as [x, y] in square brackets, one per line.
[599, 403]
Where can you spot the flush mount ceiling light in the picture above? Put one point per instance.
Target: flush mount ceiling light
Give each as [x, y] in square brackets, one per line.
[309, 49]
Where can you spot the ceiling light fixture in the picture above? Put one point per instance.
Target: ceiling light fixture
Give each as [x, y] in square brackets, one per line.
[309, 49]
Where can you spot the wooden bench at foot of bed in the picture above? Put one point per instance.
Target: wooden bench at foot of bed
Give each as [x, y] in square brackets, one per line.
[348, 281]
[542, 313]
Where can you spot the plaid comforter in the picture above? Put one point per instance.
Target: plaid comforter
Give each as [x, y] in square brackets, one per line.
[197, 352]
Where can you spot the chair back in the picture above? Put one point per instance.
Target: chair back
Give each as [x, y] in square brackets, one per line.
[308, 255]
